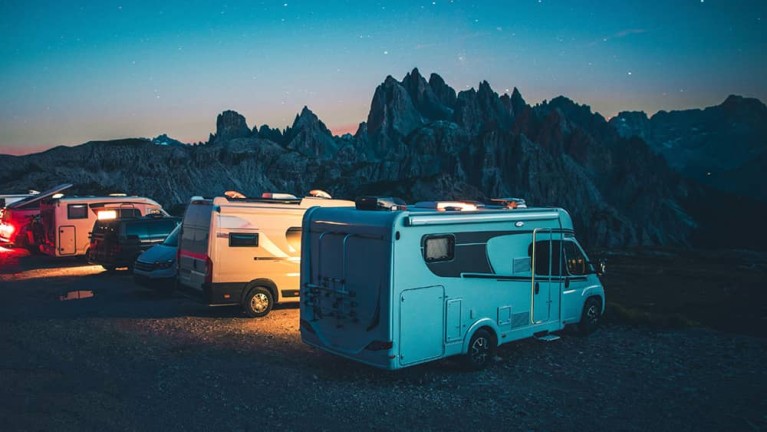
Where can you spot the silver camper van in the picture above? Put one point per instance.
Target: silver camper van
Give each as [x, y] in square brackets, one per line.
[394, 286]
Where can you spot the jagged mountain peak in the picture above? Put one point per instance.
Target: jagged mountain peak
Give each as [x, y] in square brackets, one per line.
[310, 136]
[308, 119]
[230, 125]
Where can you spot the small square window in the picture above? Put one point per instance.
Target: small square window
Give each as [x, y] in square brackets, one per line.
[440, 248]
[77, 211]
[243, 239]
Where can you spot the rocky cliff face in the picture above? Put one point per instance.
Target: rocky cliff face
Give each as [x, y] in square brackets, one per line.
[421, 141]
[723, 146]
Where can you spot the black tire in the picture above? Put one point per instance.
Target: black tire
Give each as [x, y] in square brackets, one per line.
[481, 350]
[258, 302]
[591, 316]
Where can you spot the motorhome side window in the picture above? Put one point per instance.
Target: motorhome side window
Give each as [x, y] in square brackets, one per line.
[129, 213]
[243, 239]
[439, 248]
[576, 261]
[77, 211]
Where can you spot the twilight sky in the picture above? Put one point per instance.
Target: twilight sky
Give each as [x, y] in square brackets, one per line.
[75, 71]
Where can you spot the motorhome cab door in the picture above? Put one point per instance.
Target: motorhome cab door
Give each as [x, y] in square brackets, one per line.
[546, 253]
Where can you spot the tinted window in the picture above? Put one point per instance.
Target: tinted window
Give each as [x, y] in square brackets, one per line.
[243, 239]
[161, 228]
[576, 262]
[439, 248]
[128, 213]
[138, 229]
[293, 235]
[198, 215]
[77, 211]
[548, 257]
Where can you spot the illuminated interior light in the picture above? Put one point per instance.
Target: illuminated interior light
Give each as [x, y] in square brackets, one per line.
[107, 214]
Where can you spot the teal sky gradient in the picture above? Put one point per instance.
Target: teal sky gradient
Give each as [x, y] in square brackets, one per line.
[74, 71]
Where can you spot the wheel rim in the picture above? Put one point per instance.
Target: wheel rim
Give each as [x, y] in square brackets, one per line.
[479, 350]
[592, 314]
[259, 303]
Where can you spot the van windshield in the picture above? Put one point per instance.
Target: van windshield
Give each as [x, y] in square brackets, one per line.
[172, 239]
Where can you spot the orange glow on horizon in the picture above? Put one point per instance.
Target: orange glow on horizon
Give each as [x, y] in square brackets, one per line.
[344, 129]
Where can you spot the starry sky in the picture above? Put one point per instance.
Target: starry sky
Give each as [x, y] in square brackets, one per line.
[75, 71]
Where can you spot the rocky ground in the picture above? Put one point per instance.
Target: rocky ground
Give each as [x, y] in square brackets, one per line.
[128, 359]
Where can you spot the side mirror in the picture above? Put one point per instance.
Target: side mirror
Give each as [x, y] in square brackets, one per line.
[599, 267]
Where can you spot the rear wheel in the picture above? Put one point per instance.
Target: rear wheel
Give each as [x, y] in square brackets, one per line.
[481, 350]
[258, 302]
[591, 316]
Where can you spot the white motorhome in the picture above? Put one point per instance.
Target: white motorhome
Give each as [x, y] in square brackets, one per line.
[67, 221]
[245, 251]
[401, 287]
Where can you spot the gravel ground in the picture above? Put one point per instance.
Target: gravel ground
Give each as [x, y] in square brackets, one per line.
[128, 359]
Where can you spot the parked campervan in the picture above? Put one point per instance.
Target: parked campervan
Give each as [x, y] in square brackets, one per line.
[396, 288]
[68, 221]
[19, 224]
[245, 250]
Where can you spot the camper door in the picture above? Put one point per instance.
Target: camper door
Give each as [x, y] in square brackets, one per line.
[546, 253]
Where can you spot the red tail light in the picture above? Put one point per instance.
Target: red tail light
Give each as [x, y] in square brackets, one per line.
[7, 230]
[208, 271]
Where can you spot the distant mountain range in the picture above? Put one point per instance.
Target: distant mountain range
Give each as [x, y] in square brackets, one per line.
[622, 180]
[723, 146]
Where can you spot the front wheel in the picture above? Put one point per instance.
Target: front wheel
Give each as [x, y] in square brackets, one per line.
[258, 302]
[481, 350]
[591, 316]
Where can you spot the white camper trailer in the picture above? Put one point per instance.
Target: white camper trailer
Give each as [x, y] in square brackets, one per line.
[401, 287]
[245, 250]
[67, 222]
[19, 225]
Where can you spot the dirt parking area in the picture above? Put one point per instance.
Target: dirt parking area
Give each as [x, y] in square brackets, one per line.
[128, 359]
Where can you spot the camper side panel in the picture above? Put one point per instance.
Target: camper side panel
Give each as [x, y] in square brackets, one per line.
[485, 273]
[257, 244]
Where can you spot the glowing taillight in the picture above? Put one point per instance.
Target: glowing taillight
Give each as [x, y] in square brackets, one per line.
[7, 230]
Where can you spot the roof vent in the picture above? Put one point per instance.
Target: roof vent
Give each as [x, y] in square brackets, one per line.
[232, 194]
[317, 193]
[278, 196]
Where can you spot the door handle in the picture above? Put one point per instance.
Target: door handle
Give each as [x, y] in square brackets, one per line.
[537, 288]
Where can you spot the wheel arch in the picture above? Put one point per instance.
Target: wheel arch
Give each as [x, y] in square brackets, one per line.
[263, 282]
[485, 323]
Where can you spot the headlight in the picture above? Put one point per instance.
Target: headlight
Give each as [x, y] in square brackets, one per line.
[165, 264]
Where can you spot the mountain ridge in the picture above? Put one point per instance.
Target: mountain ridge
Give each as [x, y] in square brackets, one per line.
[422, 141]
